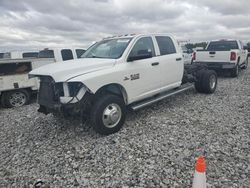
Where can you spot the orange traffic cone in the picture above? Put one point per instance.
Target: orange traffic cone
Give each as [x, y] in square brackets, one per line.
[200, 175]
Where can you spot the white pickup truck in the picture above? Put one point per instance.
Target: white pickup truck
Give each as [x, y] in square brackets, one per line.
[15, 86]
[223, 54]
[118, 72]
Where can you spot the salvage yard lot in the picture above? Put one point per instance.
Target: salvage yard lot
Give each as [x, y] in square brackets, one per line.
[156, 147]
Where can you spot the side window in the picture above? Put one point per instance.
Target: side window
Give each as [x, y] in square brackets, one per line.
[1, 55]
[30, 54]
[79, 52]
[166, 45]
[143, 46]
[241, 45]
[66, 54]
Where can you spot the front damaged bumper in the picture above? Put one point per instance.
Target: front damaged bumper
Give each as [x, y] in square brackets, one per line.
[59, 97]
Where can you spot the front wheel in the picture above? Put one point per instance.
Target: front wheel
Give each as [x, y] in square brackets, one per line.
[108, 114]
[15, 98]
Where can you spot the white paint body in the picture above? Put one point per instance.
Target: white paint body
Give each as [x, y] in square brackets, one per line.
[95, 73]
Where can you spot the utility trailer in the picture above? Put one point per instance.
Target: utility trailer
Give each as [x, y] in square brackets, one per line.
[15, 86]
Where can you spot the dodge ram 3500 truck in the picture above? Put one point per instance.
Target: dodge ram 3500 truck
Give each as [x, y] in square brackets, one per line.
[223, 54]
[127, 71]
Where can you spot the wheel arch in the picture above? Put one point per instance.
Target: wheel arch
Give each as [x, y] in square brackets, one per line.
[114, 88]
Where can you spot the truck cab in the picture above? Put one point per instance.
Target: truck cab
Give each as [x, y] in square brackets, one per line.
[61, 54]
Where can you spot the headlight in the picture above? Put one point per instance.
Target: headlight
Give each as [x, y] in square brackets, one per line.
[74, 87]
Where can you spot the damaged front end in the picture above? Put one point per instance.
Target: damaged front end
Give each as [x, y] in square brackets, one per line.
[63, 97]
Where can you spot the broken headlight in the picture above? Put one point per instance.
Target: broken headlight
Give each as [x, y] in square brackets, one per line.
[74, 87]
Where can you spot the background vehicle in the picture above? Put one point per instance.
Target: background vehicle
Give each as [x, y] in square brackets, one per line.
[15, 86]
[187, 54]
[1, 55]
[127, 71]
[61, 54]
[19, 54]
[223, 54]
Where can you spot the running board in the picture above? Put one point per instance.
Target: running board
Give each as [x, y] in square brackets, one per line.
[160, 96]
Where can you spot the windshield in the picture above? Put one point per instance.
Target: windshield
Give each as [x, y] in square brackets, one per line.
[110, 49]
[222, 46]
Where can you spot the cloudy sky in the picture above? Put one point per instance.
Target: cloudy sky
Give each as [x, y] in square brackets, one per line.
[31, 24]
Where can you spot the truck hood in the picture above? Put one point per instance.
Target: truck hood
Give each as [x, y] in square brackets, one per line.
[63, 71]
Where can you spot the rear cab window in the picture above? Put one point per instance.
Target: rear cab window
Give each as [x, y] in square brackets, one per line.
[30, 54]
[222, 45]
[66, 54]
[46, 54]
[166, 45]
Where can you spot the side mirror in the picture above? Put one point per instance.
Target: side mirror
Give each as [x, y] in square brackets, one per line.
[245, 47]
[142, 54]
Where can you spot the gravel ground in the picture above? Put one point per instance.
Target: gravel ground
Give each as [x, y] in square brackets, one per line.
[157, 146]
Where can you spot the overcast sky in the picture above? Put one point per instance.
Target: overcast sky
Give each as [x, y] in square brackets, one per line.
[30, 24]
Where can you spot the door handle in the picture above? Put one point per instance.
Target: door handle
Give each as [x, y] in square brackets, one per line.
[178, 59]
[155, 63]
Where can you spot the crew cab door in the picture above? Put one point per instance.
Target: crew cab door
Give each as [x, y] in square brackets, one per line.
[171, 62]
[143, 76]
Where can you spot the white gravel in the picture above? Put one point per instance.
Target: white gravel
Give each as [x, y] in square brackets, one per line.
[157, 146]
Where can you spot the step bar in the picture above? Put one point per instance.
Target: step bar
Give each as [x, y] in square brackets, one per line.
[161, 96]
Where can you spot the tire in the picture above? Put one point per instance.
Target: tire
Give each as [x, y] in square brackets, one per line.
[198, 83]
[3, 101]
[207, 82]
[246, 64]
[15, 98]
[108, 114]
[235, 71]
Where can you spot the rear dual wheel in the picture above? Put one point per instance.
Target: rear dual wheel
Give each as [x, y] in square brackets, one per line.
[235, 71]
[206, 81]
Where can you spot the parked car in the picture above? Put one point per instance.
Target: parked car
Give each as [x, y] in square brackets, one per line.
[187, 54]
[15, 86]
[128, 71]
[247, 47]
[223, 54]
